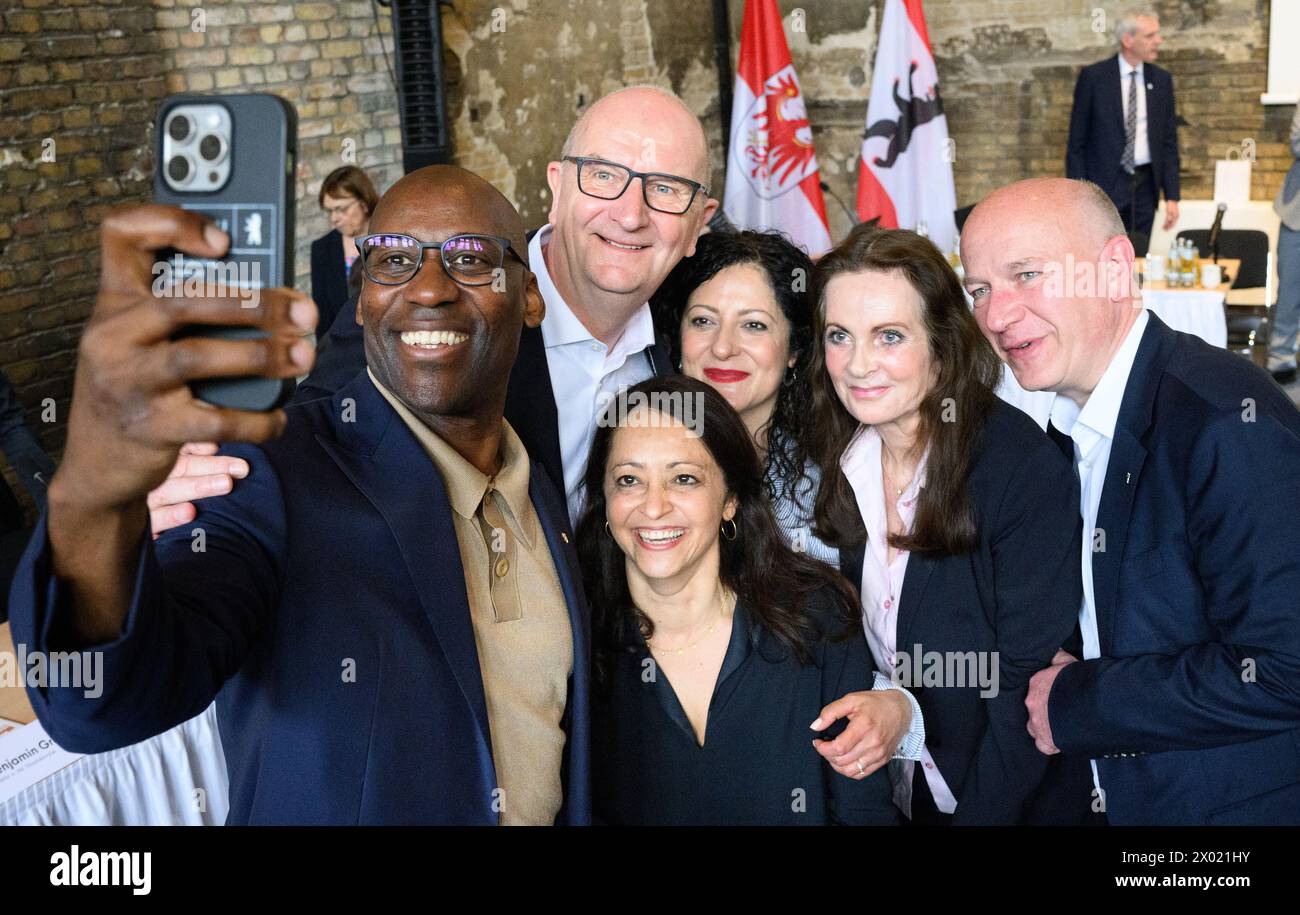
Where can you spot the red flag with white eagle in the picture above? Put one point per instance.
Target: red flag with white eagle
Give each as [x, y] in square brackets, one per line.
[905, 173]
[772, 176]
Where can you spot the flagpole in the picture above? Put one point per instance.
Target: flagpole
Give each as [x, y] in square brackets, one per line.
[722, 60]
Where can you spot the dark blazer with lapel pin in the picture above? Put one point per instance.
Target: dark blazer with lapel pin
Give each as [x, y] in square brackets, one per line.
[1017, 595]
[530, 399]
[1193, 708]
[328, 614]
[1096, 141]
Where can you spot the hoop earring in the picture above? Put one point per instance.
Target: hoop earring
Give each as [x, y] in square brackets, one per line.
[789, 379]
[735, 532]
[607, 529]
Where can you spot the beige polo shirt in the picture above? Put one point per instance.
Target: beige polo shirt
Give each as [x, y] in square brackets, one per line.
[520, 619]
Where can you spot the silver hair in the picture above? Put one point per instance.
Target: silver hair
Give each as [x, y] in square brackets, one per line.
[1127, 24]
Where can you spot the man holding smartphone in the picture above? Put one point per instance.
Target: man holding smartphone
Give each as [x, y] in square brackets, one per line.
[370, 655]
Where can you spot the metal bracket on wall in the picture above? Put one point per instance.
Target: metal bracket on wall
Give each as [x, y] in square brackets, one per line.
[421, 91]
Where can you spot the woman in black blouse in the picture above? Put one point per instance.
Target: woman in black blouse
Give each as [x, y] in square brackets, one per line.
[715, 644]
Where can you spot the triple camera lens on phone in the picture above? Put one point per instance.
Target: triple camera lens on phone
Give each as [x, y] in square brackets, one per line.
[196, 144]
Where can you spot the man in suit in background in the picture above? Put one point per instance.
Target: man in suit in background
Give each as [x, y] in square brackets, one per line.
[1123, 129]
[1188, 456]
[357, 603]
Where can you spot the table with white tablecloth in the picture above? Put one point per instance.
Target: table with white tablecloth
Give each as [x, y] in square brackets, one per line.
[1193, 311]
[175, 779]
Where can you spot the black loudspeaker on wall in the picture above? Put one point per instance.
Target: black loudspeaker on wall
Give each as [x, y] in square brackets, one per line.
[421, 92]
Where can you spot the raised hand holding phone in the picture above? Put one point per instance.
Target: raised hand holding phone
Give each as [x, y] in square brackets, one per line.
[132, 406]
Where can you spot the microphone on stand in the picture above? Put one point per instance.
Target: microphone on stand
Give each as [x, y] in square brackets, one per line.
[853, 219]
[1215, 231]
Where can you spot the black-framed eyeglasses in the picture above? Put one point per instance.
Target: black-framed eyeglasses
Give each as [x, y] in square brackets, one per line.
[608, 180]
[471, 260]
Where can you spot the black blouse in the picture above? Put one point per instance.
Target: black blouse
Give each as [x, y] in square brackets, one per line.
[758, 765]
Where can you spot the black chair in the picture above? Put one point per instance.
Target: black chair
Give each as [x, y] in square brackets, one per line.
[1250, 246]
[1249, 326]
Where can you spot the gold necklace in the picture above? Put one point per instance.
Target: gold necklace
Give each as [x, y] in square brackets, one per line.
[898, 490]
[722, 611]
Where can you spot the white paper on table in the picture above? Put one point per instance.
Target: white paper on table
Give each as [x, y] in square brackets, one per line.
[28, 755]
[1232, 181]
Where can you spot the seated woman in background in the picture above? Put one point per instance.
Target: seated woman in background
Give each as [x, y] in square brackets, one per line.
[348, 197]
[714, 643]
[743, 324]
[955, 514]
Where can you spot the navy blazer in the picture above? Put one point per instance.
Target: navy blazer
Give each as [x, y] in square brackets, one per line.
[327, 613]
[1017, 595]
[1193, 708]
[1096, 142]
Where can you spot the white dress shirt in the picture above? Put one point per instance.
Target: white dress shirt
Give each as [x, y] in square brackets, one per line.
[1141, 144]
[882, 586]
[585, 374]
[1093, 432]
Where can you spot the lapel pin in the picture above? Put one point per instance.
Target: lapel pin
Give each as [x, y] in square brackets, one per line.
[1150, 87]
[564, 536]
[1127, 476]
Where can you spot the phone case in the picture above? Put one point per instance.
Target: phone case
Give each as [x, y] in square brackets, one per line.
[256, 208]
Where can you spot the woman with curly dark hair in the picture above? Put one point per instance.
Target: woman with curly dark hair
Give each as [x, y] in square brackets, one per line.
[741, 322]
[714, 643]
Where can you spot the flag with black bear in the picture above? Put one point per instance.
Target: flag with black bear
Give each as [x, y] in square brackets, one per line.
[905, 170]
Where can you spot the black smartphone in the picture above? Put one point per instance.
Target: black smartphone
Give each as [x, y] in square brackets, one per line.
[231, 158]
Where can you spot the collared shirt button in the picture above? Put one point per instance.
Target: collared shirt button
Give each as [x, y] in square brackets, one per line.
[888, 603]
[929, 765]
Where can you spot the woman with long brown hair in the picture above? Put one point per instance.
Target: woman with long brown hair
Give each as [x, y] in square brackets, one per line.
[955, 515]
